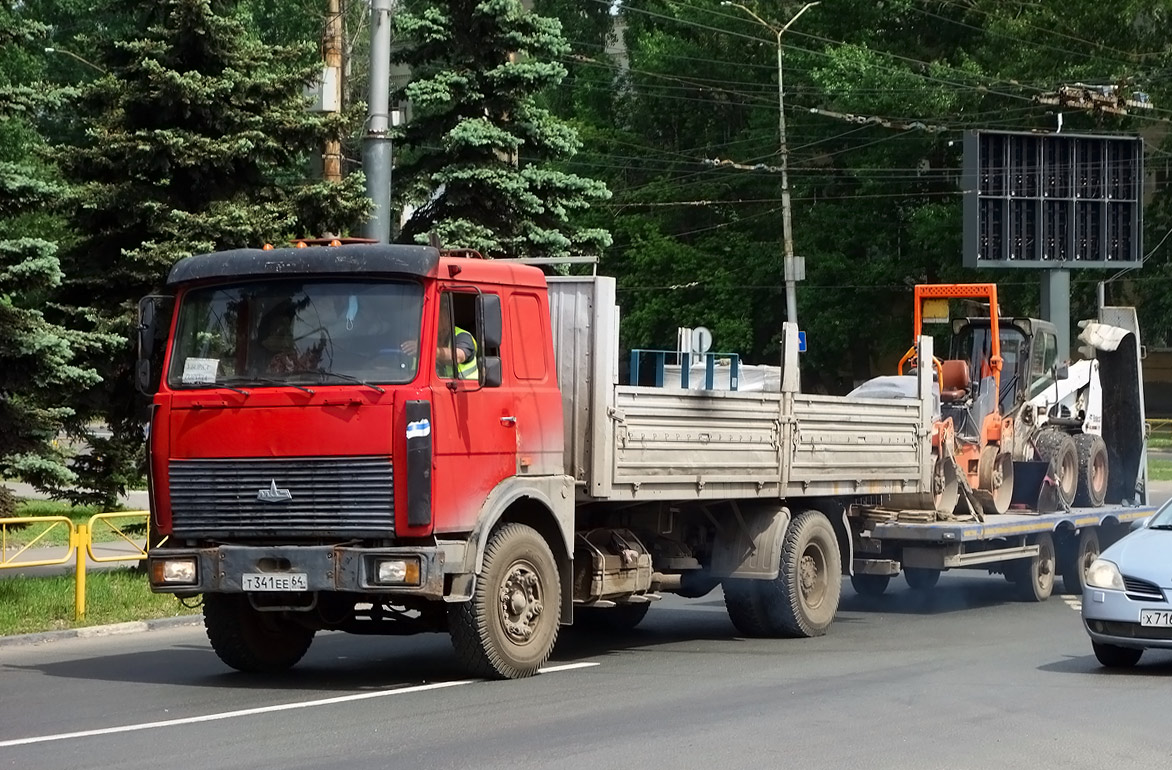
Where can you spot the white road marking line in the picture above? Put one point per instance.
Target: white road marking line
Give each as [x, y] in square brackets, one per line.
[269, 709]
[1074, 604]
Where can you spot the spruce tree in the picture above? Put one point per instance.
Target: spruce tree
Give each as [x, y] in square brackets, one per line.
[37, 357]
[197, 139]
[477, 158]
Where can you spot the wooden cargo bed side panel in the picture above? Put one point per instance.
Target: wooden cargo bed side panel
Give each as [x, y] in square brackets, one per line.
[681, 440]
[864, 446]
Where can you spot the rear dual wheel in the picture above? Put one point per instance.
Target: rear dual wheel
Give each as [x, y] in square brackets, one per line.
[802, 600]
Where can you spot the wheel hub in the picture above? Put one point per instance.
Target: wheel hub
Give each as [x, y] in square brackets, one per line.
[812, 577]
[521, 602]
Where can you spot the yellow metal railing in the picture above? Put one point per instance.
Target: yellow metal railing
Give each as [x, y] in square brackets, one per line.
[80, 546]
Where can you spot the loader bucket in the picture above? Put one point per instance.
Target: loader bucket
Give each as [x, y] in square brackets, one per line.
[1034, 487]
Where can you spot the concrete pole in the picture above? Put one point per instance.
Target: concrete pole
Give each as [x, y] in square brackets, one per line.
[790, 265]
[376, 147]
[332, 89]
[1056, 307]
[787, 223]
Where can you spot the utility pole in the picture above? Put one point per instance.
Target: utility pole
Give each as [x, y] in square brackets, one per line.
[332, 88]
[795, 269]
[376, 146]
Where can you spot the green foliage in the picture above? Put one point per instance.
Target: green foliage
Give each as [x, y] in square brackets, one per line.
[476, 160]
[877, 96]
[197, 139]
[38, 358]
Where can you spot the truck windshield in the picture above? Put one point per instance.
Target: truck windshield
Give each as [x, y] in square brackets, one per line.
[297, 332]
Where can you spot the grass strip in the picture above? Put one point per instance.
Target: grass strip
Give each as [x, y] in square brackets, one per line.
[31, 605]
[49, 534]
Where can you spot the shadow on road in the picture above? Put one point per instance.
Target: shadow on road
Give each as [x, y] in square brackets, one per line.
[954, 593]
[1153, 663]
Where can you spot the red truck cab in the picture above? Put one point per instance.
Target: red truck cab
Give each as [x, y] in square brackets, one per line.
[317, 461]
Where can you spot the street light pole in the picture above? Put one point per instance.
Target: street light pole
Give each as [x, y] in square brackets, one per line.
[790, 264]
[84, 61]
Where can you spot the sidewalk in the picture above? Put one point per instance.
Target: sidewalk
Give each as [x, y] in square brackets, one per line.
[135, 499]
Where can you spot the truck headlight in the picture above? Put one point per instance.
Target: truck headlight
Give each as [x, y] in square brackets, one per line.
[1104, 574]
[397, 571]
[174, 572]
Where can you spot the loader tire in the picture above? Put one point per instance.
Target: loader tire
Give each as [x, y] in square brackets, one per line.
[1059, 448]
[1093, 470]
[508, 629]
[250, 640]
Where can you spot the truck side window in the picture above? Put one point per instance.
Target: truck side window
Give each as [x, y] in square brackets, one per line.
[457, 354]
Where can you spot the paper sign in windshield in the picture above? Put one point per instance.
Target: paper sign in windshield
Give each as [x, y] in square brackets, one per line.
[200, 370]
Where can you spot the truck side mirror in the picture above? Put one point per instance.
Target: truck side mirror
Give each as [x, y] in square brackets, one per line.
[488, 321]
[488, 317]
[150, 344]
[492, 371]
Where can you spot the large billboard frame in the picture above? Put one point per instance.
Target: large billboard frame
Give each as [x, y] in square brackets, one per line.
[1052, 200]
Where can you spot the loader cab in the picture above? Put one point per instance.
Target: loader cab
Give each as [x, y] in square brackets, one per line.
[1029, 350]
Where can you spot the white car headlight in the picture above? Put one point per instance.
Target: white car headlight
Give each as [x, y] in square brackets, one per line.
[1104, 574]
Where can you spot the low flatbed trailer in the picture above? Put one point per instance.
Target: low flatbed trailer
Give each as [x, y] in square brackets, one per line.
[1029, 548]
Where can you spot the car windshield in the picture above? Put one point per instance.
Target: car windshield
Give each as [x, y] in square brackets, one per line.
[1163, 517]
[295, 332]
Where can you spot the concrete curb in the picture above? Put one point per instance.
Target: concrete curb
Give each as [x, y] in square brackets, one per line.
[90, 632]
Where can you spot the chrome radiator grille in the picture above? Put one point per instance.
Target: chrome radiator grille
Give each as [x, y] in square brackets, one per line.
[288, 496]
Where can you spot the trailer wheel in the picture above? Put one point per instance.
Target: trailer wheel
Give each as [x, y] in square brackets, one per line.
[623, 617]
[802, 601]
[1074, 575]
[1092, 470]
[1035, 575]
[746, 610]
[250, 640]
[870, 585]
[921, 578]
[1112, 656]
[508, 629]
[1059, 448]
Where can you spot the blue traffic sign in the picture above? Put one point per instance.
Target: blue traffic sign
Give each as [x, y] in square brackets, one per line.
[801, 342]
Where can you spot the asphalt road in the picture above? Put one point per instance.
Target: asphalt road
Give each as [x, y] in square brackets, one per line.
[962, 677]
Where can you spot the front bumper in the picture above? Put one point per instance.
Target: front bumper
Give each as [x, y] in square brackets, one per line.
[221, 569]
[1111, 617]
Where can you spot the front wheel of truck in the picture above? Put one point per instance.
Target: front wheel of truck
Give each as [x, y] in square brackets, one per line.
[252, 641]
[508, 629]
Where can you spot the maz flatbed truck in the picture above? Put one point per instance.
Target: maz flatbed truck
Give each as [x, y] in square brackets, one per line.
[325, 454]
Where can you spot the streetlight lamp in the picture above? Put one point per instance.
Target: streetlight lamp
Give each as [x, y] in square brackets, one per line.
[791, 294]
[84, 61]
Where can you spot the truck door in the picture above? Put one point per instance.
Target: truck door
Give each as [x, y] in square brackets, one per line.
[474, 430]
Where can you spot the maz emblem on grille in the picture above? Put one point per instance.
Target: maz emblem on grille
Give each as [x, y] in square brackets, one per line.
[273, 494]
